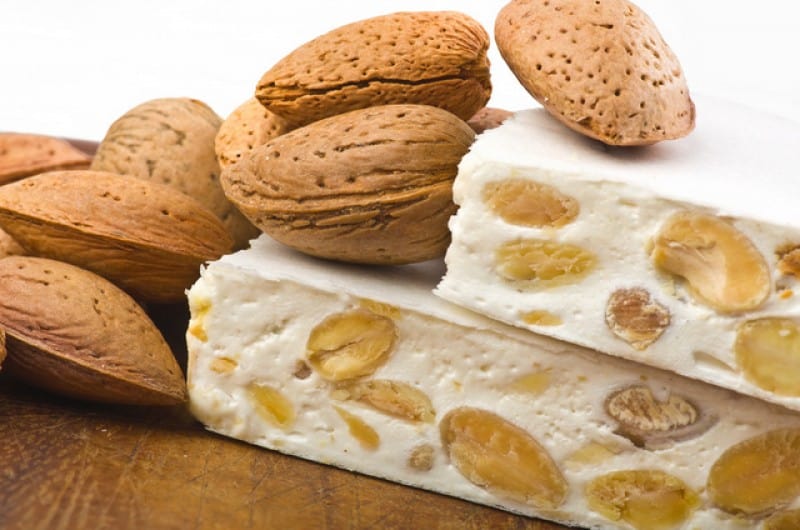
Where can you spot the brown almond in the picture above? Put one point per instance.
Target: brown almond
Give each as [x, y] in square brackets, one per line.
[488, 118]
[9, 246]
[601, 68]
[369, 186]
[2, 346]
[429, 58]
[71, 332]
[171, 141]
[653, 423]
[23, 155]
[147, 238]
[248, 126]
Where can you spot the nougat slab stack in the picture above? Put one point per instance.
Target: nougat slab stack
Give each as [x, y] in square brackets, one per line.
[365, 369]
[683, 255]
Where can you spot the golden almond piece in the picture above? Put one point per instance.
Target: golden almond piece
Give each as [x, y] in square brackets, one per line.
[721, 266]
[633, 316]
[652, 423]
[392, 397]
[247, 127]
[768, 353]
[488, 118]
[271, 405]
[647, 499]
[427, 58]
[501, 457]
[23, 155]
[71, 332]
[366, 436]
[350, 344]
[370, 186]
[788, 520]
[171, 141]
[147, 238]
[789, 260]
[422, 457]
[758, 475]
[540, 264]
[527, 203]
[601, 68]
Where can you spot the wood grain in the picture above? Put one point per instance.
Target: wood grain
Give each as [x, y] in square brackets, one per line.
[69, 465]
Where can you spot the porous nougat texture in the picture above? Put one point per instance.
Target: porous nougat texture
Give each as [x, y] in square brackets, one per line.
[439, 398]
[677, 255]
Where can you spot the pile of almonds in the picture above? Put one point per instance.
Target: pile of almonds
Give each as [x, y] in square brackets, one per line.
[346, 151]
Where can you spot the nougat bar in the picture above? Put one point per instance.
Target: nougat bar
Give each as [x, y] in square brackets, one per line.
[683, 255]
[367, 370]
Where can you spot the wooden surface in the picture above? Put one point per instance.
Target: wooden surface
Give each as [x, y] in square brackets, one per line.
[71, 465]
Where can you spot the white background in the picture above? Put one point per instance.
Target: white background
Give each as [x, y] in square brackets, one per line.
[71, 68]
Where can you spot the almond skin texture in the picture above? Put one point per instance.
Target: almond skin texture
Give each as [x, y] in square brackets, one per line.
[248, 126]
[23, 155]
[2, 346]
[429, 58]
[8, 246]
[171, 141]
[71, 332]
[600, 67]
[147, 238]
[488, 118]
[369, 186]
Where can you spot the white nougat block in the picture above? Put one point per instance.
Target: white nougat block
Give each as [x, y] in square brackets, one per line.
[365, 369]
[695, 240]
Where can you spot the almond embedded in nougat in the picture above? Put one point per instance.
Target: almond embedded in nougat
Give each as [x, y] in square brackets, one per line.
[147, 238]
[23, 155]
[247, 127]
[171, 141]
[429, 58]
[369, 186]
[600, 67]
[71, 332]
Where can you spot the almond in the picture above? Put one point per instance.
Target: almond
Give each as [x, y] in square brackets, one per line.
[9, 246]
[71, 332]
[171, 141]
[431, 58]
[488, 118]
[248, 126]
[369, 186]
[23, 155]
[2, 346]
[601, 67]
[148, 238]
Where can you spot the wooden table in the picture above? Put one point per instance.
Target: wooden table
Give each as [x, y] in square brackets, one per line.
[71, 465]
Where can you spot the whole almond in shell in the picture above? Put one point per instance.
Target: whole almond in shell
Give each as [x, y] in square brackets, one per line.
[369, 186]
[23, 155]
[148, 238]
[8, 246]
[488, 118]
[430, 58]
[247, 127]
[2, 346]
[601, 68]
[72, 332]
[171, 141]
